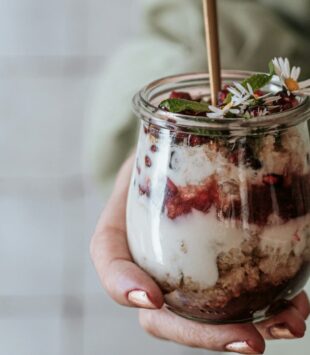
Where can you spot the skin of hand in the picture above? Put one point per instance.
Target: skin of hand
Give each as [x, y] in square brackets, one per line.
[130, 286]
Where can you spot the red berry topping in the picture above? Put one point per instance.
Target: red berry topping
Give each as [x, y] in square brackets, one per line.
[180, 95]
[194, 140]
[222, 95]
[154, 148]
[286, 101]
[259, 93]
[148, 161]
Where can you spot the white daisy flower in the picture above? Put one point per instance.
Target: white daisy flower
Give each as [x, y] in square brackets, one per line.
[289, 77]
[221, 112]
[240, 94]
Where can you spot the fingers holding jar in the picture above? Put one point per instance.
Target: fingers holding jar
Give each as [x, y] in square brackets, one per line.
[240, 338]
[302, 304]
[125, 282]
[288, 324]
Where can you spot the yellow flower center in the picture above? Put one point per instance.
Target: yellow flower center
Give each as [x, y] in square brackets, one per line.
[291, 84]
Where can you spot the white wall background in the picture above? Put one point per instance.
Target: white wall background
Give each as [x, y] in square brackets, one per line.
[51, 54]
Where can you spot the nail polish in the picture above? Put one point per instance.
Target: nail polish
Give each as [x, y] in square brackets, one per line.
[281, 332]
[140, 299]
[241, 347]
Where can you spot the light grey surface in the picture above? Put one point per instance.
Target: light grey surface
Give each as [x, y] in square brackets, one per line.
[51, 53]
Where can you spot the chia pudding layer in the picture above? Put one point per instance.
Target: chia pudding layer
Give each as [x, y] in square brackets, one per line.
[223, 226]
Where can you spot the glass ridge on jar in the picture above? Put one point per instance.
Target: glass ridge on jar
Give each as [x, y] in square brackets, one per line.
[218, 210]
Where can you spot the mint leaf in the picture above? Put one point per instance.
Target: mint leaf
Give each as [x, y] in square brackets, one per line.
[257, 81]
[271, 68]
[180, 105]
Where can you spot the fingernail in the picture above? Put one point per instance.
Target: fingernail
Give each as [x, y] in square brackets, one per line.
[241, 347]
[140, 299]
[282, 332]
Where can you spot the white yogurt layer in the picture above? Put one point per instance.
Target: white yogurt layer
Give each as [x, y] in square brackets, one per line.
[189, 246]
[287, 237]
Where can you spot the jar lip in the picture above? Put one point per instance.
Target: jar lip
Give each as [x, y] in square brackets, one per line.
[144, 109]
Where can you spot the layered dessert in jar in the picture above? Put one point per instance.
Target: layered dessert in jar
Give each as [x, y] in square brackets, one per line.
[219, 203]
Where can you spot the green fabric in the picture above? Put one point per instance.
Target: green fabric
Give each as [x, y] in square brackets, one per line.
[172, 41]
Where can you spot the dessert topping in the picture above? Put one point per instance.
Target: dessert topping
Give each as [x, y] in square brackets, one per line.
[246, 99]
[182, 105]
[289, 77]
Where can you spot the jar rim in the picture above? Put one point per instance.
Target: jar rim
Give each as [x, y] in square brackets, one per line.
[147, 111]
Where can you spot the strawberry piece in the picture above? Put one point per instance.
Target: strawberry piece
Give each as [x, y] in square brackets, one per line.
[180, 201]
[202, 201]
[177, 208]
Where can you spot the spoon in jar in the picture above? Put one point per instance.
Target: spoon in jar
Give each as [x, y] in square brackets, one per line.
[212, 41]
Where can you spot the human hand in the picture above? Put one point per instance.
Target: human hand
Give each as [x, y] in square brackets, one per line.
[128, 285]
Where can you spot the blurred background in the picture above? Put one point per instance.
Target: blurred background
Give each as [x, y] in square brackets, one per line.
[52, 56]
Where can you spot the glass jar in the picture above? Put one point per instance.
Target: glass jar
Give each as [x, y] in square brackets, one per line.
[219, 209]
